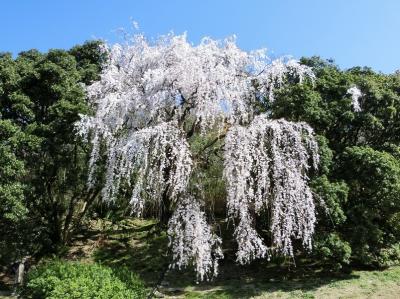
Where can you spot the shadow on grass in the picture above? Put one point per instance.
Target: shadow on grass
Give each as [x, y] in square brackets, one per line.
[143, 250]
[260, 277]
[140, 249]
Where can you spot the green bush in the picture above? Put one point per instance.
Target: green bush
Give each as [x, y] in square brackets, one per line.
[332, 249]
[60, 280]
[373, 205]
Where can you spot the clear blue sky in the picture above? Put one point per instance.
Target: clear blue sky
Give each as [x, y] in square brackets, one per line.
[353, 32]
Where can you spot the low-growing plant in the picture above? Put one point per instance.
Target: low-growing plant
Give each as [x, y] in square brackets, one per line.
[63, 279]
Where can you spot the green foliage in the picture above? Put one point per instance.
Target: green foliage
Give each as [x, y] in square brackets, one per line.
[357, 183]
[59, 280]
[11, 168]
[208, 176]
[330, 247]
[325, 154]
[332, 196]
[42, 163]
[90, 60]
[374, 202]
[326, 106]
[302, 103]
[389, 256]
[12, 206]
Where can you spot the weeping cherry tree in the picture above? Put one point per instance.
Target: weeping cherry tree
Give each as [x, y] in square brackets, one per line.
[154, 96]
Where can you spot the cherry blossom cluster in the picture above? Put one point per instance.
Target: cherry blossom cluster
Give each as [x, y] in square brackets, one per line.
[192, 241]
[356, 94]
[266, 166]
[149, 82]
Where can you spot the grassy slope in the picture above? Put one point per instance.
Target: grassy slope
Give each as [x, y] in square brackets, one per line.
[138, 245]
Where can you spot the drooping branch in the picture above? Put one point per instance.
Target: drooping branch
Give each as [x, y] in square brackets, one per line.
[266, 167]
[192, 240]
[157, 156]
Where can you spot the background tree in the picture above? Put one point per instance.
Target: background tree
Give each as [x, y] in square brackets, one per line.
[12, 205]
[41, 98]
[360, 172]
[374, 205]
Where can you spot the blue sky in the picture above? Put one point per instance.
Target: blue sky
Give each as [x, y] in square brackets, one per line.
[353, 32]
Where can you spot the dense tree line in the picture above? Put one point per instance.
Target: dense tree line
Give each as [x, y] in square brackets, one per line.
[43, 163]
[359, 181]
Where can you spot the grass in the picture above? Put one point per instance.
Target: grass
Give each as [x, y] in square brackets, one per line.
[361, 284]
[140, 246]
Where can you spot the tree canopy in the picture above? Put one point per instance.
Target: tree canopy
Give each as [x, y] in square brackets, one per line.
[152, 98]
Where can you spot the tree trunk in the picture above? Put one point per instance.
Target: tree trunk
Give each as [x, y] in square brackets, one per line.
[68, 220]
[20, 273]
[165, 209]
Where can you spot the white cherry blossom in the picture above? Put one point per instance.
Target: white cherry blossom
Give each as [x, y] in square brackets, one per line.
[356, 94]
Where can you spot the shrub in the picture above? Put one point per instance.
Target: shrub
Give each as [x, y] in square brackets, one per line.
[373, 205]
[333, 250]
[60, 280]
